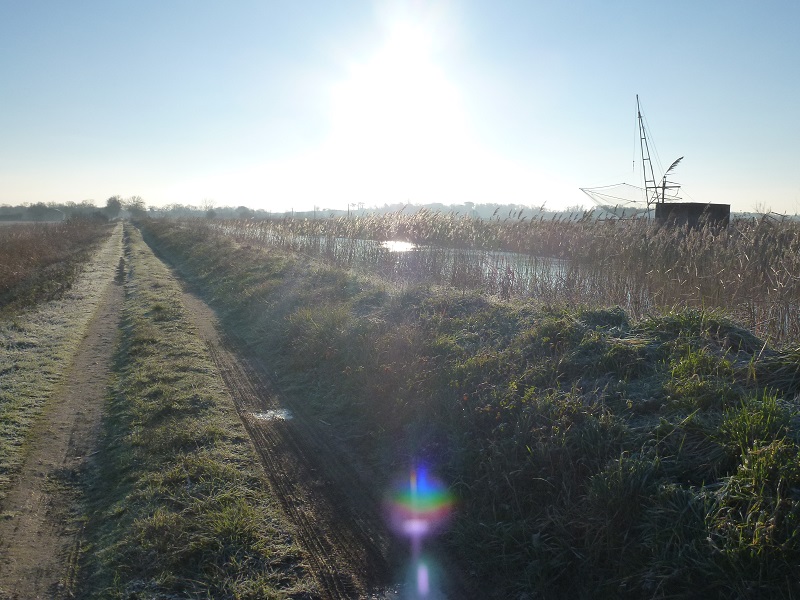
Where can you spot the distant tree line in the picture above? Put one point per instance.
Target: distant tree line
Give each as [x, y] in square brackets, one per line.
[134, 206]
[115, 207]
[118, 207]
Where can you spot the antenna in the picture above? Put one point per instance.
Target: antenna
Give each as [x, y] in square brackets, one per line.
[626, 195]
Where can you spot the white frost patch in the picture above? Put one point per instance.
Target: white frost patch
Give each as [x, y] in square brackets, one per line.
[278, 414]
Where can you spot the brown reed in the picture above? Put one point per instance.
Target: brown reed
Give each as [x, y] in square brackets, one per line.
[750, 270]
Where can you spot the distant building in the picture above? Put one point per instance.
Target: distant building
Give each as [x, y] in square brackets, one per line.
[693, 214]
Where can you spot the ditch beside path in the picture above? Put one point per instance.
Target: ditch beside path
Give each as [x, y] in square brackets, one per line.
[39, 530]
[330, 495]
[337, 516]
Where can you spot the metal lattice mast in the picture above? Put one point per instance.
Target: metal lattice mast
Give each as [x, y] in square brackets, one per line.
[649, 181]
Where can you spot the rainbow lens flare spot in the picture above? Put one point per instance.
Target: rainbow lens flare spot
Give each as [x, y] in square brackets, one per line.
[419, 505]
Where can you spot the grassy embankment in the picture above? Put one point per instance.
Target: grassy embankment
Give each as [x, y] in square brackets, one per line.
[593, 456]
[179, 506]
[37, 341]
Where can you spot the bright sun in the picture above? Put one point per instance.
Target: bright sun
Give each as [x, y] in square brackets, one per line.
[397, 118]
[397, 100]
[398, 131]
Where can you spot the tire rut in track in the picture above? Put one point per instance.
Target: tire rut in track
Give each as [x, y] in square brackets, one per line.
[337, 513]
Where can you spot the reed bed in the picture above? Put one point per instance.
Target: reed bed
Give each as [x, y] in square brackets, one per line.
[750, 270]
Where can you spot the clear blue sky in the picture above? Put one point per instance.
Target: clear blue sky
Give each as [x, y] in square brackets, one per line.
[293, 103]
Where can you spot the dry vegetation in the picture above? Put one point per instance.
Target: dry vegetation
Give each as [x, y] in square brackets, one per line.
[614, 404]
[39, 261]
[750, 270]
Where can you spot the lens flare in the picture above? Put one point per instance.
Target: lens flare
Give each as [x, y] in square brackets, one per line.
[417, 507]
[420, 505]
[423, 580]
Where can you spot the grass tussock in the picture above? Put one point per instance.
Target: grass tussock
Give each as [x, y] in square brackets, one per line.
[594, 455]
[180, 508]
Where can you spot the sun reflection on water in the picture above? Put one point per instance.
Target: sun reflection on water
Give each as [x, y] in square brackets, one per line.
[398, 246]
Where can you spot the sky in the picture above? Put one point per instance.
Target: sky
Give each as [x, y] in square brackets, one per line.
[295, 104]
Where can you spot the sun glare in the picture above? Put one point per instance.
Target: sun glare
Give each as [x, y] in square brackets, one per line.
[398, 131]
[397, 115]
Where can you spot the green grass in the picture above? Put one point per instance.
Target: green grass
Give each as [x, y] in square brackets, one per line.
[179, 505]
[593, 455]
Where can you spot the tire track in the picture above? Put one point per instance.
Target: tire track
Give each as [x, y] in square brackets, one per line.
[335, 509]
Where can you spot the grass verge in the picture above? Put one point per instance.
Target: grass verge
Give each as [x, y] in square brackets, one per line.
[179, 506]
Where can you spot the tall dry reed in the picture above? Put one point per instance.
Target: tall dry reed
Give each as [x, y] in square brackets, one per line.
[42, 253]
[750, 270]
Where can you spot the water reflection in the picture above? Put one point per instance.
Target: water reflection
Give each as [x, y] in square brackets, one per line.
[398, 246]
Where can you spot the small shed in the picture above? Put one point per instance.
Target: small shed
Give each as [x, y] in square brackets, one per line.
[693, 214]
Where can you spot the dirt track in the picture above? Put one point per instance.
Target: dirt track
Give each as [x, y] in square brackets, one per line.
[39, 535]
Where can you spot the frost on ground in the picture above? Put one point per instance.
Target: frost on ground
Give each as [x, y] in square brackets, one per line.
[37, 346]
